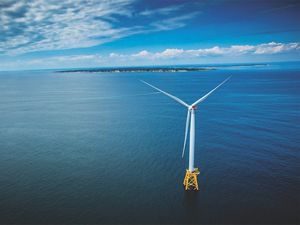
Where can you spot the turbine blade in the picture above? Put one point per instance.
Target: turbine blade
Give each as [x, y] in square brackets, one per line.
[209, 93]
[169, 95]
[186, 130]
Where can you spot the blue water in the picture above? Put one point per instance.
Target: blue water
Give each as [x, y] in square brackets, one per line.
[91, 148]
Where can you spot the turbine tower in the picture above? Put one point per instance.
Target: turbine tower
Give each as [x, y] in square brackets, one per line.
[190, 180]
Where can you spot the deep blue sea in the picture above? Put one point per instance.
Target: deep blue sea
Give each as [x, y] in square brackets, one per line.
[92, 148]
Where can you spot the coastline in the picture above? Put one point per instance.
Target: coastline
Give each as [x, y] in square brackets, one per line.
[135, 69]
[161, 69]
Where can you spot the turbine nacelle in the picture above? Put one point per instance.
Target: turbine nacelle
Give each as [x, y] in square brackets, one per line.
[194, 107]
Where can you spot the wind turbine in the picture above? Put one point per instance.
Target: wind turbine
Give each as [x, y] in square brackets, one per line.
[190, 179]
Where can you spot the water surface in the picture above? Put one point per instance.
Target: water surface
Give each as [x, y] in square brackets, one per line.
[92, 148]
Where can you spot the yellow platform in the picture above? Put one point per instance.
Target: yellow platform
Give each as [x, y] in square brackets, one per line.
[190, 180]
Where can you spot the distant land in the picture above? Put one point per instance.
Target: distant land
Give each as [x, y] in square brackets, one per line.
[136, 69]
[154, 69]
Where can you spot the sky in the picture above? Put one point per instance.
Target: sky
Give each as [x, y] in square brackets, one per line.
[47, 34]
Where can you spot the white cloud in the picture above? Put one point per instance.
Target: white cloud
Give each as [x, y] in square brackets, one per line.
[160, 57]
[242, 48]
[95, 57]
[29, 26]
[266, 48]
[234, 50]
[73, 61]
[273, 47]
[206, 51]
[116, 55]
[161, 11]
[169, 53]
[143, 53]
[47, 25]
[173, 23]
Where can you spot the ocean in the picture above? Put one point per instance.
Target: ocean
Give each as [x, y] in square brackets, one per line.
[92, 148]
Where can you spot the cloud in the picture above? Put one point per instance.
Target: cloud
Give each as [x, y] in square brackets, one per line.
[233, 50]
[207, 51]
[116, 55]
[173, 23]
[161, 11]
[143, 53]
[272, 48]
[242, 48]
[29, 26]
[169, 53]
[47, 25]
[95, 57]
[265, 48]
[74, 61]
[145, 57]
